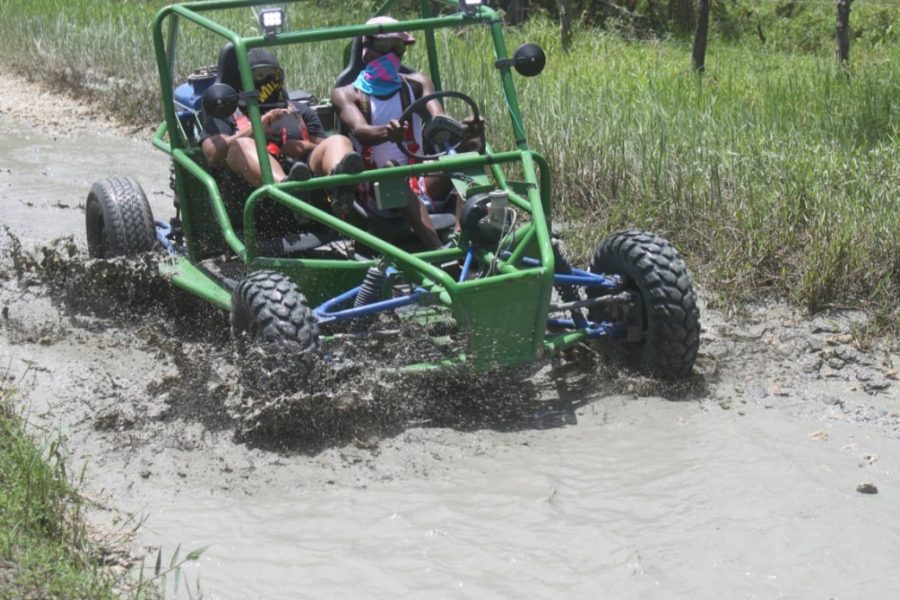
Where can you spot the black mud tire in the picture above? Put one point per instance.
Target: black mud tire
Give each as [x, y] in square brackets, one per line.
[269, 313]
[118, 219]
[670, 317]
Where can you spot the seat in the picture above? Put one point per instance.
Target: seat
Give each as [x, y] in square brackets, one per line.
[227, 67]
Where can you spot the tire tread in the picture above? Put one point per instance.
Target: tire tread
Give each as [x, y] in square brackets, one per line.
[269, 309]
[127, 220]
[663, 279]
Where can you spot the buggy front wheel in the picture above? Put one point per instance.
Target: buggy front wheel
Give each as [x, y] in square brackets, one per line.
[664, 326]
[269, 312]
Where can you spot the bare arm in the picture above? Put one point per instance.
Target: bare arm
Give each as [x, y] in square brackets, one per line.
[423, 86]
[345, 101]
[215, 147]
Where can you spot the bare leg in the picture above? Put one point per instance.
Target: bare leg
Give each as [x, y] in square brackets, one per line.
[416, 216]
[328, 153]
[243, 160]
[440, 186]
[334, 156]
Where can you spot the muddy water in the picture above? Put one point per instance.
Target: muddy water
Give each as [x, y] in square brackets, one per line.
[740, 484]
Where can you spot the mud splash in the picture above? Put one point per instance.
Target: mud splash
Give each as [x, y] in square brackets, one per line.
[347, 397]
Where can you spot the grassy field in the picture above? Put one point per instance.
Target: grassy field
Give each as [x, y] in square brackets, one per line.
[775, 173]
[44, 549]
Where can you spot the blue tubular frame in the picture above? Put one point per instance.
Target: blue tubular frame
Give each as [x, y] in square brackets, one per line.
[579, 277]
[601, 329]
[583, 279]
[324, 313]
[324, 316]
[467, 264]
[327, 313]
[163, 231]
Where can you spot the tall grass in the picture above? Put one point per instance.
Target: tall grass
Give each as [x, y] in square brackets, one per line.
[773, 171]
[45, 551]
[776, 172]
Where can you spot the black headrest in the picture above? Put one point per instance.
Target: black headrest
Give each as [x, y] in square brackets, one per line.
[228, 72]
[355, 64]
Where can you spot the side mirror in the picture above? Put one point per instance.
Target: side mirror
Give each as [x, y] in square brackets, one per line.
[220, 100]
[528, 60]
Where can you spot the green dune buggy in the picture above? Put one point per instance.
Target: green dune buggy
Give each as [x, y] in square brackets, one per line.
[501, 287]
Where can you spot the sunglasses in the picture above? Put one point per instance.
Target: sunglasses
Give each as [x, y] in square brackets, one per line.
[385, 45]
[263, 75]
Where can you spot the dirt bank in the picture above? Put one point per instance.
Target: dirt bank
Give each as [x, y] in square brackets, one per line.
[741, 482]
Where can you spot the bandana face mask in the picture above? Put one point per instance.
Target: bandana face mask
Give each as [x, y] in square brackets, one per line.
[381, 77]
[269, 82]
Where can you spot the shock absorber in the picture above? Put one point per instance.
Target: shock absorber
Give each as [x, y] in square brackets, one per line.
[372, 288]
[568, 292]
[370, 291]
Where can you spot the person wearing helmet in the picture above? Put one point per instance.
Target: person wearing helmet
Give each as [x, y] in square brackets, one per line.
[369, 109]
[297, 145]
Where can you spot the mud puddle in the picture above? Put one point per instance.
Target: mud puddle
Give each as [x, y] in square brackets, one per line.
[573, 482]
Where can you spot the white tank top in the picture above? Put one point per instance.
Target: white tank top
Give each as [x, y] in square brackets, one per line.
[383, 110]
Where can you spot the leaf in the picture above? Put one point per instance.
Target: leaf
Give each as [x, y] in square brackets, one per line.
[195, 554]
[174, 560]
[177, 580]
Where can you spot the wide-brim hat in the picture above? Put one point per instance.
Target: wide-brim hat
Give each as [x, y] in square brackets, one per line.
[404, 36]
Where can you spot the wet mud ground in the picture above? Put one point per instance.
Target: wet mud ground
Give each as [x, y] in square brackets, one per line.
[575, 481]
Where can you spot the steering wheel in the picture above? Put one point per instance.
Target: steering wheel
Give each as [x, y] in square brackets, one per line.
[441, 131]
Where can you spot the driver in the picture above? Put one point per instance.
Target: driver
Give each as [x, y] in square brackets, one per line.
[297, 144]
[369, 108]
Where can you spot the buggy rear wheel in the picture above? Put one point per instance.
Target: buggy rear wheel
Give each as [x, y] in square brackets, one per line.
[668, 319]
[118, 219]
[268, 311]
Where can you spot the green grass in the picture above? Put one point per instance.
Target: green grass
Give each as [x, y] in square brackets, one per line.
[45, 551]
[776, 173]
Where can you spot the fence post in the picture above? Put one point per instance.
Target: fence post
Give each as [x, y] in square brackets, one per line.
[843, 30]
[565, 23]
[698, 57]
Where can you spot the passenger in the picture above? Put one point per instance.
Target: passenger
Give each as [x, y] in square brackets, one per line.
[369, 108]
[297, 145]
